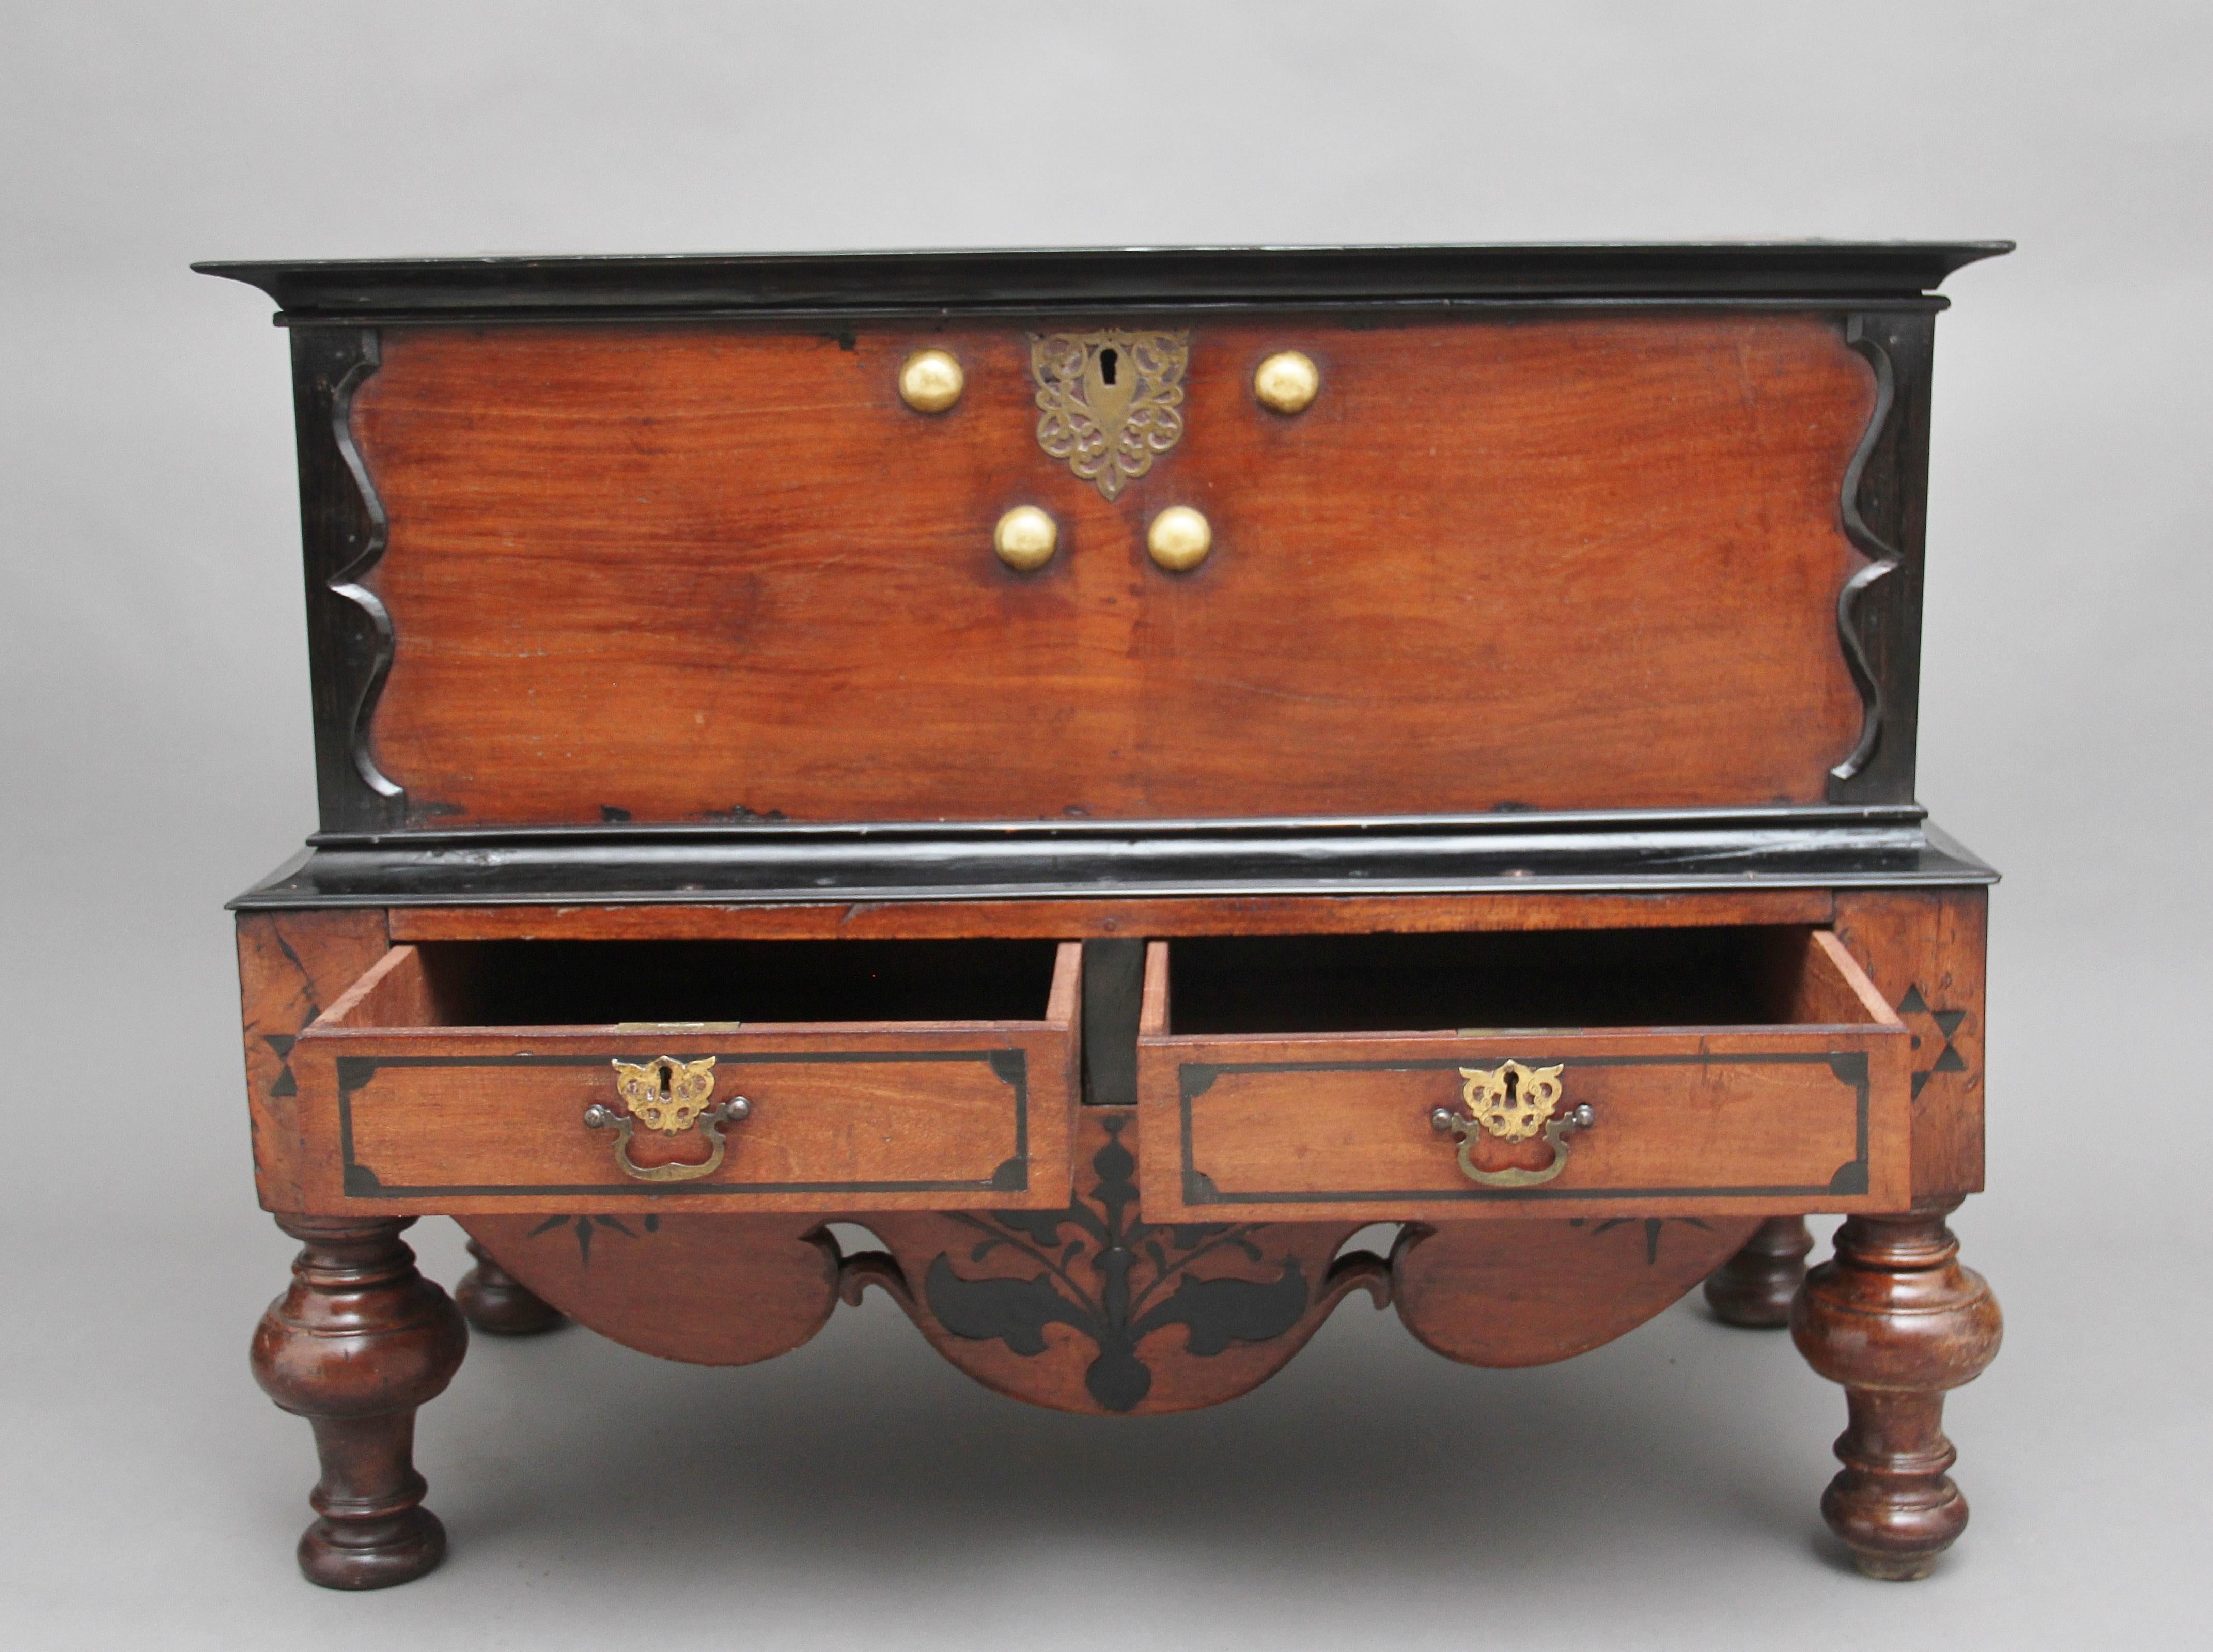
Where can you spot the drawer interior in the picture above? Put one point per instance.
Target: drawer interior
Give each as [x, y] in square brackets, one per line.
[1558, 979]
[603, 983]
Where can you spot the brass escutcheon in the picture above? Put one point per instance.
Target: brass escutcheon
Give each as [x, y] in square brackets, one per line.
[1512, 1103]
[669, 1096]
[1109, 403]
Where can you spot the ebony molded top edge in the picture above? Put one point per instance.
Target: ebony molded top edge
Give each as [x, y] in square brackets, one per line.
[723, 871]
[766, 832]
[452, 288]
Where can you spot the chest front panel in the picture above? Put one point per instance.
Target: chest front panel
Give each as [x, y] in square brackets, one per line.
[712, 572]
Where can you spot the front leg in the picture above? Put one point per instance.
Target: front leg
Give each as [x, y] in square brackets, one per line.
[354, 1345]
[1897, 1320]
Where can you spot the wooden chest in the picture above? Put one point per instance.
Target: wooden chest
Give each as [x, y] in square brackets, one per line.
[1113, 771]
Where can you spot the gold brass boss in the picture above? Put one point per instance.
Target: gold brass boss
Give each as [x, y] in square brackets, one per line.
[1025, 538]
[1286, 381]
[1178, 539]
[932, 381]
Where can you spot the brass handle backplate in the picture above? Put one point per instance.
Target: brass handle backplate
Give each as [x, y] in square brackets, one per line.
[1512, 1103]
[669, 1096]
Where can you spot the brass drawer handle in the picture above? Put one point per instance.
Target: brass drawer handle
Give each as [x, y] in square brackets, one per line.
[1511, 1102]
[670, 1096]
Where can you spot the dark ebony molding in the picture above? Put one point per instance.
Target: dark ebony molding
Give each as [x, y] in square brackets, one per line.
[1816, 848]
[521, 289]
[1885, 513]
[343, 531]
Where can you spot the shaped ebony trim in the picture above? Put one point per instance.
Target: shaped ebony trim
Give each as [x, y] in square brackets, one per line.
[342, 530]
[466, 290]
[1883, 507]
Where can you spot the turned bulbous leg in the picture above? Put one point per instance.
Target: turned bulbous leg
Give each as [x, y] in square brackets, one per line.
[354, 1345]
[493, 1300]
[1755, 1287]
[1897, 1320]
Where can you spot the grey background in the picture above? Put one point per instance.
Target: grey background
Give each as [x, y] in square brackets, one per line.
[1660, 1492]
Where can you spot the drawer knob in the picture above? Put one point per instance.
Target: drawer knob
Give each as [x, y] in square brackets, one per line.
[1025, 539]
[1512, 1103]
[1288, 382]
[669, 1096]
[1178, 539]
[932, 381]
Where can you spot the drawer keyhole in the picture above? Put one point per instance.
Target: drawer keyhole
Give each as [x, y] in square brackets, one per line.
[1107, 361]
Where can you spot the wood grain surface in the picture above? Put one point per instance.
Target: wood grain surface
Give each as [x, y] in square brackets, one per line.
[1528, 1293]
[1107, 916]
[290, 966]
[711, 1289]
[1925, 952]
[1718, 1120]
[403, 1114]
[1587, 562]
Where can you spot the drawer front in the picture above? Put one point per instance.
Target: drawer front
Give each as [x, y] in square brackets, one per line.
[1715, 1121]
[833, 1119]
[612, 551]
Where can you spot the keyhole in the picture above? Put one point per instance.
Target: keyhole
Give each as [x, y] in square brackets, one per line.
[1107, 367]
[1513, 1088]
[663, 1072]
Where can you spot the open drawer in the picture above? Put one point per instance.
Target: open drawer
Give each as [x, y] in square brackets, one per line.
[1684, 1072]
[479, 1076]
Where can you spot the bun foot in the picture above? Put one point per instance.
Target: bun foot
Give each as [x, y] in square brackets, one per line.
[1898, 1321]
[372, 1554]
[493, 1300]
[1891, 1569]
[355, 1346]
[1754, 1288]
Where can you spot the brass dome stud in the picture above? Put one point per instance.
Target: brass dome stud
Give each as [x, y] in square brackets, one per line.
[1178, 539]
[1026, 539]
[1288, 382]
[932, 381]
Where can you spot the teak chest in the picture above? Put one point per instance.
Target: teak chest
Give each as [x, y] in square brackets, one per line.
[1113, 771]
